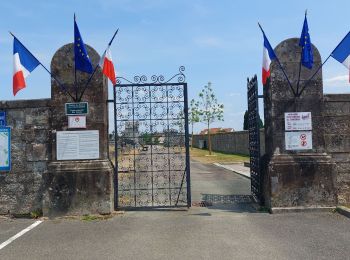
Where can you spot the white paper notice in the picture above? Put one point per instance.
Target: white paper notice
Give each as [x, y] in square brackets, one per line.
[78, 145]
[298, 140]
[297, 121]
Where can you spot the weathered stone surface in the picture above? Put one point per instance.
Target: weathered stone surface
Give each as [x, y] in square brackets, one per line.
[301, 180]
[34, 124]
[77, 187]
[337, 140]
[296, 178]
[96, 95]
[83, 186]
[21, 188]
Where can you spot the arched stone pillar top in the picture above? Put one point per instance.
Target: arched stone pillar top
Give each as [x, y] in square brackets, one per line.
[288, 53]
[62, 67]
[96, 94]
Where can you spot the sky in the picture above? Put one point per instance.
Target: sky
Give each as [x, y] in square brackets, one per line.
[216, 41]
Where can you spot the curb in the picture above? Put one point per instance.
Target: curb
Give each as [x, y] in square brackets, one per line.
[228, 168]
[343, 211]
[300, 209]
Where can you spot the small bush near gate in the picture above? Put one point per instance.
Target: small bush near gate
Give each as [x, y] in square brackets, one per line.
[90, 217]
[36, 213]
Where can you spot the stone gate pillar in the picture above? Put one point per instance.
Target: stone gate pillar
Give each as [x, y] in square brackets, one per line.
[295, 178]
[75, 185]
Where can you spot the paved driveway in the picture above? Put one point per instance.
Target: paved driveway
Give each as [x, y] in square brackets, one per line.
[223, 231]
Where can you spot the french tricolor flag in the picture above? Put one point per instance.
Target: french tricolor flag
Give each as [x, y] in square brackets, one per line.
[342, 52]
[107, 66]
[23, 64]
[268, 56]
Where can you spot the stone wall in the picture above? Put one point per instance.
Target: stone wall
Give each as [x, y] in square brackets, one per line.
[235, 142]
[337, 140]
[37, 181]
[22, 188]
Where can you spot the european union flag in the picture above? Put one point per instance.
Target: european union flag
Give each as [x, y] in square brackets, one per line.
[307, 57]
[81, 57]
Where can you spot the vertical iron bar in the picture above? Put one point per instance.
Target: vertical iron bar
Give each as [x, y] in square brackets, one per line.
[116, 199]
[257, 132]
[151, 134]
[187, 140]
[168, 144]
[133, 135]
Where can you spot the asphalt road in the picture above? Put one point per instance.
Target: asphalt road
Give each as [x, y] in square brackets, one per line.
[223, 231]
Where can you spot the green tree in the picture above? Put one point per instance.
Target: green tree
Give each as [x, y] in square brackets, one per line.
[209, 110]
[193, 116]
[245, 122]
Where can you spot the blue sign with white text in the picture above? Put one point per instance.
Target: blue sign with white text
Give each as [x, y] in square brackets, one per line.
[2, 118]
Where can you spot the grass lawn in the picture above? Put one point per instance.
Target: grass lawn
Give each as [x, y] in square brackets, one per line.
[202, 156]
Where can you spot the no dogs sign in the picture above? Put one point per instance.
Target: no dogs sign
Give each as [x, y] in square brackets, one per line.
[298, 140]
[76, 121]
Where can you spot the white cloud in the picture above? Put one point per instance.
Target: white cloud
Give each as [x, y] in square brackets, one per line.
[337, 81]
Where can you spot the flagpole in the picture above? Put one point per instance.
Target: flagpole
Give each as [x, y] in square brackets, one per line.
[323, 64]
[75, 69]
[301, 57]
[52, 76]
[90, 78]
[279, 63]
[313, 75]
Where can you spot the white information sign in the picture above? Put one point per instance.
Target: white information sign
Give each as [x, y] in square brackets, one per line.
[297, 121]
[5, 149]
[301, 140]
[76, 145]
[76, 121]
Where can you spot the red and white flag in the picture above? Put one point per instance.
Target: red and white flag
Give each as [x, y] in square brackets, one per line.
[23, 64]
[107, 66]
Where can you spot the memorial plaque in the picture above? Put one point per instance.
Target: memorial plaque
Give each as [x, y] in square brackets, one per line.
[80, 108]
[301, 140]
[78, 145]
[5, 149]
[297, 121]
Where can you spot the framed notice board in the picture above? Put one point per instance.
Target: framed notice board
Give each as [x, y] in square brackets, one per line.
[5, 149]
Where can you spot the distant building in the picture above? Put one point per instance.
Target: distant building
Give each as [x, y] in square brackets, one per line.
[131, 133]
[217, 130]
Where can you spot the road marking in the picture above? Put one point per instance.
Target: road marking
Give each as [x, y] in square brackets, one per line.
[19, 234]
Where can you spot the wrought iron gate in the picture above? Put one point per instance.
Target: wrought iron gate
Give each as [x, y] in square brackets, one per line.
[151, 142]
[254, 138]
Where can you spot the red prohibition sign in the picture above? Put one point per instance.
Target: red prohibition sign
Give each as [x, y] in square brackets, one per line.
[303, 136]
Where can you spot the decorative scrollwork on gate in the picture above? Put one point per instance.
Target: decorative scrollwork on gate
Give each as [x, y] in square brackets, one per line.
[155, 79]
